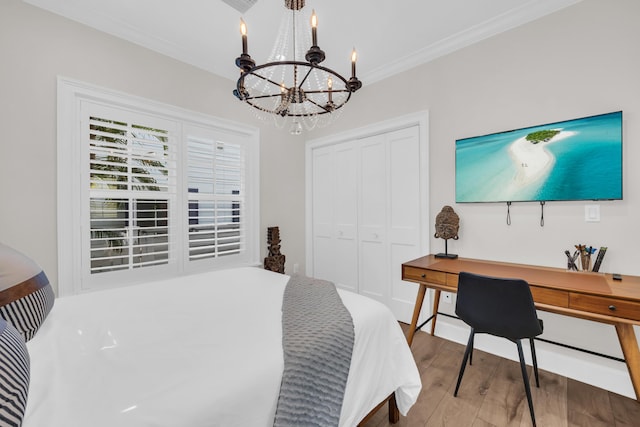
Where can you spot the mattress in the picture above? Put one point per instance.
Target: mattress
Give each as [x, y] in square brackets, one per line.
[201, 350]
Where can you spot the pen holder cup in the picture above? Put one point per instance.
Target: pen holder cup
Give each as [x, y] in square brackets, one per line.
[585, 261]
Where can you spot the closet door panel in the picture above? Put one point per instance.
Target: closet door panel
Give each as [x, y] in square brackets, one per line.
[322, 229]
[345, 216]
[404, 215]
[404, 179]
[403, 294]
[372, 218]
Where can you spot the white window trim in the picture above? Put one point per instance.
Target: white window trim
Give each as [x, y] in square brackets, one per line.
[71, 93]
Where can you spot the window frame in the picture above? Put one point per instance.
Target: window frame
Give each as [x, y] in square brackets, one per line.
[72, 194]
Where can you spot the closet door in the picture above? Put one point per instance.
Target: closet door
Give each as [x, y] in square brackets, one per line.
[334, 188]
[372, 219]
[406, 204]
[322, 200]
[369, 213]
[389, 227]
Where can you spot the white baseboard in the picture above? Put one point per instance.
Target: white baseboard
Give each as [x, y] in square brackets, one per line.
[595, 370]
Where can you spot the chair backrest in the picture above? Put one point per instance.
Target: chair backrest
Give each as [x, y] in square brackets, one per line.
[498, 306]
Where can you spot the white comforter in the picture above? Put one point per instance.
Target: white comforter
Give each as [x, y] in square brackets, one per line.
[204, 350]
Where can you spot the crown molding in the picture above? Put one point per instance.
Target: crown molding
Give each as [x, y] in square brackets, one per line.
[530, 11]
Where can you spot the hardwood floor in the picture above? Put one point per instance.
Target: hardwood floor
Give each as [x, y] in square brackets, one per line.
[492, 394]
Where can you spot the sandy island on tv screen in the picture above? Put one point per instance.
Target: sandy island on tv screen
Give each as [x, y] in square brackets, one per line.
[533, 160]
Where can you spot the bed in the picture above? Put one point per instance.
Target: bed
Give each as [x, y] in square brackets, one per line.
[202, 350]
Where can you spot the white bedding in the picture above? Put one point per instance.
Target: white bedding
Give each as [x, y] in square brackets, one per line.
[202, 350]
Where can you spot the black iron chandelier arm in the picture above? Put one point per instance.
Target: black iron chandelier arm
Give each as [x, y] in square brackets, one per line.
[304, 79]
[244, 75]
[279, 63]
[328, 91]
[326, 108]
[273, 95]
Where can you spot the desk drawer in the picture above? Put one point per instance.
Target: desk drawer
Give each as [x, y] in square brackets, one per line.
[424, 276]
[550, 296]
[602, 305]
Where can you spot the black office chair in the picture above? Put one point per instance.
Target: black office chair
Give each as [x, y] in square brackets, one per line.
[500, 307]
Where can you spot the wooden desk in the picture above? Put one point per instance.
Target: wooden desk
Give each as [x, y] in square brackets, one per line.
[592, 296]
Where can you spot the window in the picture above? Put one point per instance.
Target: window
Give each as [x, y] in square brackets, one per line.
[159, 191]
[132, 170]
[215, 172]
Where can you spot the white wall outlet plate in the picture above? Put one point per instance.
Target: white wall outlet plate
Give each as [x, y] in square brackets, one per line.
[592, 213]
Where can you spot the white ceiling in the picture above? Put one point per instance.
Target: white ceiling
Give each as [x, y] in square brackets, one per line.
[390, 36]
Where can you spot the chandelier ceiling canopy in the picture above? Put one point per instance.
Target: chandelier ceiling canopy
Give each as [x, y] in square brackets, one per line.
[292, 87]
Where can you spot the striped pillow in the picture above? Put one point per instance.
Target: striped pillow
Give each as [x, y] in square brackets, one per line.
[14, 375]
[26, 296]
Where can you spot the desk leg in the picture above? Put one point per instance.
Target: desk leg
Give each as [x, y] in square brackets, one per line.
[436, 305]
[629, 344]
[416, 312]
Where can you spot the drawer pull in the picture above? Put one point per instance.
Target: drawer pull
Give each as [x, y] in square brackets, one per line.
[612, 307]
[423, 275]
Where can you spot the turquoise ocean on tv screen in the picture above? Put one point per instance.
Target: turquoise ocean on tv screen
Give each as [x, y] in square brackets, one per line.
[584, 166]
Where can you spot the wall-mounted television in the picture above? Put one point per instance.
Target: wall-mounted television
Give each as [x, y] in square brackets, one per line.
[578, 159]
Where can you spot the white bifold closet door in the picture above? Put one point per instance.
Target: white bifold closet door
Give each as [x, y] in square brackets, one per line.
[368, 203]
[335, 215]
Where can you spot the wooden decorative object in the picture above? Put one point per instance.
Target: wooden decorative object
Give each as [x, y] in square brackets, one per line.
[447, 225]
[275, 260]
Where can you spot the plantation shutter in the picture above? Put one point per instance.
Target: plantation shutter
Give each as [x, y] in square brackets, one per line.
[148, 191]
[132, 192]
[216, 197]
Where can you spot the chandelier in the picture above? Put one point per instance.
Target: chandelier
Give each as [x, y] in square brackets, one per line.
[292, 87]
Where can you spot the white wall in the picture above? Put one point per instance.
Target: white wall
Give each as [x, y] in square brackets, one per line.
[35, 47]
[580, 61]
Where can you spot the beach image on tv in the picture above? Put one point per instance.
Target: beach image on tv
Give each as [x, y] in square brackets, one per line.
[577, 159]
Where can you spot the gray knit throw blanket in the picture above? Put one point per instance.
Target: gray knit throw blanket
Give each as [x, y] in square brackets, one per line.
[317, 339]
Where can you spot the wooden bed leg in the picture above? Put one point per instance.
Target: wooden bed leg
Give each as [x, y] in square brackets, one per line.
[394, 413]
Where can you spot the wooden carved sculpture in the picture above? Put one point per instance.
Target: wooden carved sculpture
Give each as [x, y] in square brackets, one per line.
[275, 260]
[447, 225]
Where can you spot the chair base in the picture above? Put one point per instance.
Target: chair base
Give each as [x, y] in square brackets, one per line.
[468, 355]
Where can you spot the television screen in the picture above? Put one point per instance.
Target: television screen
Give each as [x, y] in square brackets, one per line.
[577, 159]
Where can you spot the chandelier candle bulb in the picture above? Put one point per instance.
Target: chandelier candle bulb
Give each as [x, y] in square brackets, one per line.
[354, 56]
[244, 62]
[314, 27]
[243, 31]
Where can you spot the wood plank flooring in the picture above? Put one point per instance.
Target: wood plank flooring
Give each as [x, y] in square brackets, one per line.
[492, 394]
